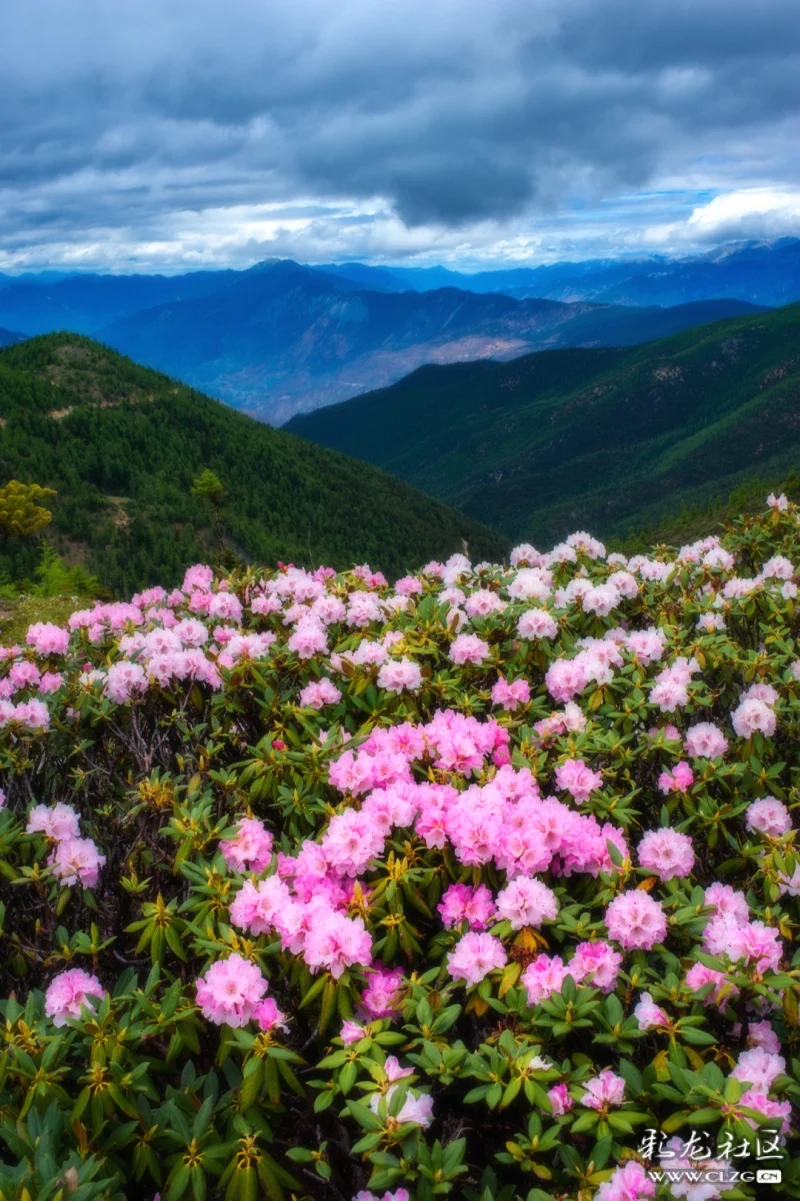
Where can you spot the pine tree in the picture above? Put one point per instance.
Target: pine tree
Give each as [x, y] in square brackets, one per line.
[208, 486]
[20, 514]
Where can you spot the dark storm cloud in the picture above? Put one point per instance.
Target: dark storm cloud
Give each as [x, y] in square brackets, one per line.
[121, 114]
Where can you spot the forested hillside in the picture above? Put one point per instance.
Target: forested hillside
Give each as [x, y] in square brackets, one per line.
[611, 440]
[121, 445]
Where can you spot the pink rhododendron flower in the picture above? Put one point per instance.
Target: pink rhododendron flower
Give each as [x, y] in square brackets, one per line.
[560, 1099]
[525, 555]
[483, 602]
[319, 693]
[779, 1112]
[258, 908]
[352, 840]
[76, 861]
[475, 956]
[336, 943]
[578, 780]
[726, 900]
[543, 977]
[381, 997]
[192, 633]
[669, 732]
[769, 816]
[351, 1033]
[705, 741]
[462, 903]
[628, 1182]
[565, 678]
[398, 675]
[251, 847]
[680, 779]
[636, 921]
[761, 1034]
[200, 576]
[646, 645]
[469, 648]
[50, 682]
[399, 1194]
[668, 853]
[352, 773]
[67, 992]
[531, 584]
[125, 681]
[602, 599]
[605, 1091]
[308, 639]
[510, 695]
[761, 692]
[648, 1014]
[759, 1068]
[669, 694]
[596, 964]
[268, 1017]
[225, 605]
[723, 991]
[230, 991]
[526, 902]
[754, 716]
[753, 942]
[536, 624]
[48, 639]
[417, 1109]
[709, 622]
[32, 714]
[24, 675]
[60, 822]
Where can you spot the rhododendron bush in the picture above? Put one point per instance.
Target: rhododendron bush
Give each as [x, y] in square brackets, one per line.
[481, 883]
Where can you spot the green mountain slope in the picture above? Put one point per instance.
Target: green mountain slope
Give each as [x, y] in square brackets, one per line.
[121, 444]
[606, 439]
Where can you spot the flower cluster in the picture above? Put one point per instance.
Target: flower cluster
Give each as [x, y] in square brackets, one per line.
[74, 860]
[508, 849]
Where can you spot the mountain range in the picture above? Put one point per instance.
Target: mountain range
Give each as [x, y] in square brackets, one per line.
[609, 439]
[121, 444]
[281, 338]
[288, 338]
[762, 273]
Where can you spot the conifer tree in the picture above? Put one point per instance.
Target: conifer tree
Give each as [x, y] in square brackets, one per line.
[208, 486]
[20, 513]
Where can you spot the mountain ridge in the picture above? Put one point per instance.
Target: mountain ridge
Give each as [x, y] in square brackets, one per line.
[601, 437]
[121, 444]
[287, 338]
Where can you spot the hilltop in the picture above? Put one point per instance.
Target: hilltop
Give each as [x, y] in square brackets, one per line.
[609, 439]
[122, 444]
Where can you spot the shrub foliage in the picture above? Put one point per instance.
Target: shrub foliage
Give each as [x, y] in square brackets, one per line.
[483, 884]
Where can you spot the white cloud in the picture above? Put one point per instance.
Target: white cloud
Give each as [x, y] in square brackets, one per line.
[752, 213]
[747, 213]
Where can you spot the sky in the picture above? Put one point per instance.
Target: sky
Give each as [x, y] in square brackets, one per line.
[173, 135]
